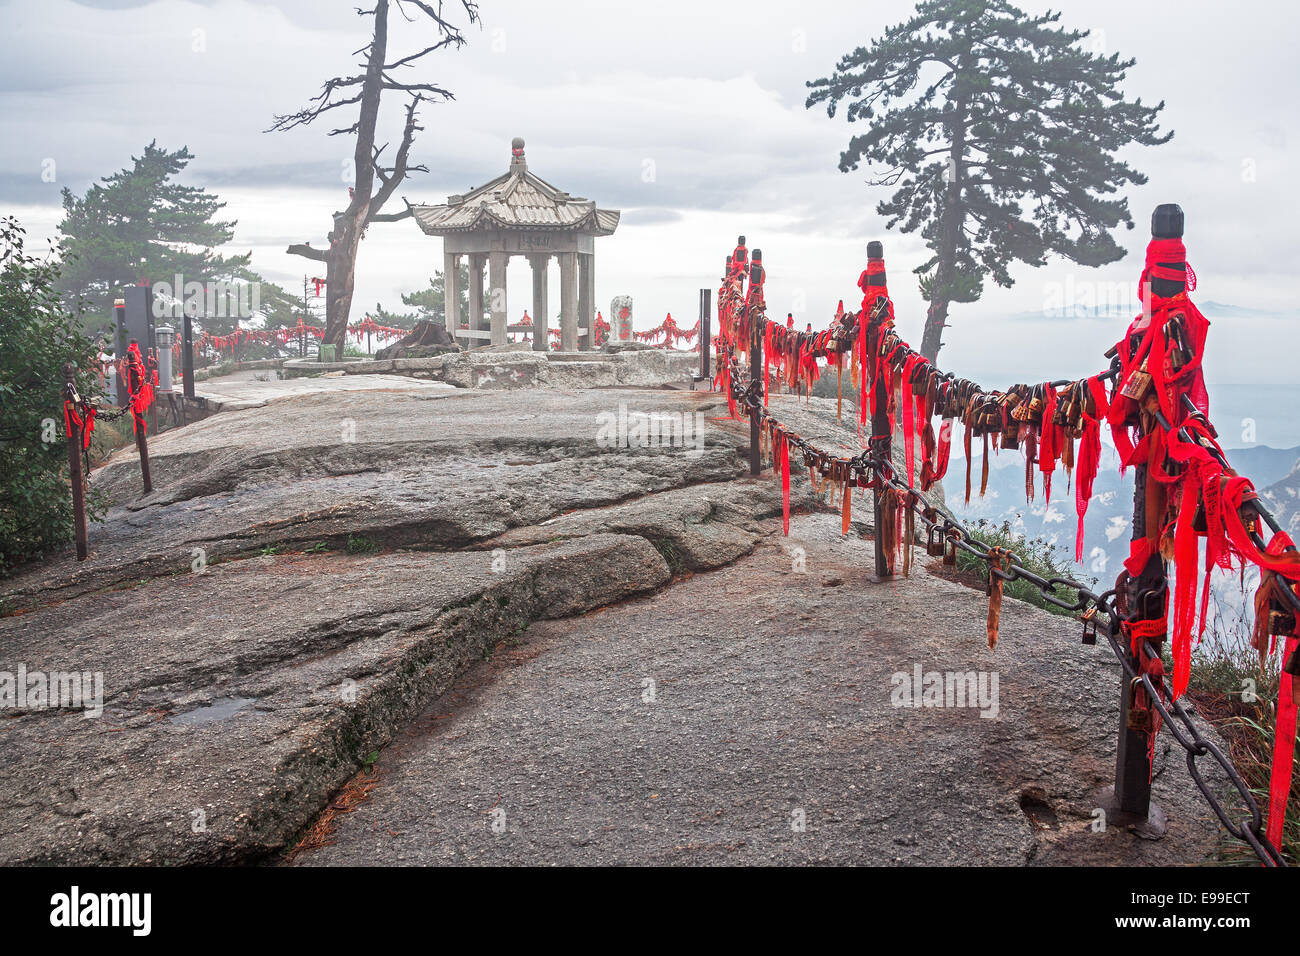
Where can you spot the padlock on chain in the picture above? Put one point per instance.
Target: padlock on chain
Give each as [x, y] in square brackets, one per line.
[1090, 626]
[1140, 718]
[934, 541]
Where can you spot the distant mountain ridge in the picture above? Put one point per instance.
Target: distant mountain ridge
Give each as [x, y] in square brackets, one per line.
[1108, 520]
[1110, 311]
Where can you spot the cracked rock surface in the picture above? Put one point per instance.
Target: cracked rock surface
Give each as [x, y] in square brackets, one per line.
[305, 577]
[468, 590]
[745, 716]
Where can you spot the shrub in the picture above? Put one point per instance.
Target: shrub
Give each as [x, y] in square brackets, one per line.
[37, 336]
[1036, 555]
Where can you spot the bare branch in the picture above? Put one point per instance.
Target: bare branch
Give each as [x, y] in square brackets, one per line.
[406, 213]
[307, 252]
[408, 60]
[401, 167]
[303, 117]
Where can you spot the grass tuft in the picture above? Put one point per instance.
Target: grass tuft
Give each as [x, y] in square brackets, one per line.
[1037, 555]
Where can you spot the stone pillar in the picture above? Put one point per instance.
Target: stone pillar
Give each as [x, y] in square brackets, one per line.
[541, 311]
[568, 301]
[476, 260]
[497, 296]
[620, 318]
[587, 298]
[451, 292]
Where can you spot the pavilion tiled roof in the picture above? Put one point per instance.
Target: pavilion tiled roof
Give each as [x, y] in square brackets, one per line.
[516, 200]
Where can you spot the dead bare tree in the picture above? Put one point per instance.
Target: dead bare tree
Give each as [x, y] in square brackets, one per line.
[375, 183]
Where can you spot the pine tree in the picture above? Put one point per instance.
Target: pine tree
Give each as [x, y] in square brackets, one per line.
[141, 225]
[431, 303]
[1000, 131]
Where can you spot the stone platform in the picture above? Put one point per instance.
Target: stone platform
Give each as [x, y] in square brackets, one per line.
[518, 366]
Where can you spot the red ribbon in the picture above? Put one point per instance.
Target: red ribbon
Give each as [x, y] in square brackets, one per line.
[87, 424]
[908, 406]
[784, 456]
[1279, 785]
[1049, 442]
[1089, 456]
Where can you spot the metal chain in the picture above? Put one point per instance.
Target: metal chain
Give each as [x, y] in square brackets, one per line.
[1099, 610]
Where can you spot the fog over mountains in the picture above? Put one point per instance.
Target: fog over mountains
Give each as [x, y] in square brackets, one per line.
[1274, 470]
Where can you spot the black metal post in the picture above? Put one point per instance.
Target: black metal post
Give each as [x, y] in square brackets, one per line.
[882, 439]
[74, 461]
[754, 297]
[706, 334]
[1147, 595]
[187, 358]
[119, 348]
[135, 372]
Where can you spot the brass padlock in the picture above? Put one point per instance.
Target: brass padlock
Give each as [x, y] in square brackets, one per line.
[1138, 383]
[934, 541]
[1176, 331]
[1015, 406]
[1281, 619]
[1067, 408]
[1090, 626]
[1140, 719]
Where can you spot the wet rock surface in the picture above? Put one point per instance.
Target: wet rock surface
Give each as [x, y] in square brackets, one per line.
[746, 716]
[471, 587]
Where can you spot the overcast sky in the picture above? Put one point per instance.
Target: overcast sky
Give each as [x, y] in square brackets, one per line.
[688, 116]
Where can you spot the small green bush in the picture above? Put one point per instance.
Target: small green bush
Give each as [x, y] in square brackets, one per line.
[37, 336]
[1037, 555]
[360, 544]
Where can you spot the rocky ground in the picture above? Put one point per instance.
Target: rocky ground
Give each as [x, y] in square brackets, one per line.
[482, 581]
[744, 716]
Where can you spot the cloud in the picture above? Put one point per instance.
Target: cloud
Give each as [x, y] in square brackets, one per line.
[684, 115]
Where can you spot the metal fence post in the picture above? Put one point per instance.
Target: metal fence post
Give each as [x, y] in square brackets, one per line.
[706, 335]
[136, 373]
[75, 442]
[882, 439]
[187, 357]
[755, 356]
[1147, 594]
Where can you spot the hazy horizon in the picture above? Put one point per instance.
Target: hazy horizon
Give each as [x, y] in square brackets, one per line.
[604, 93]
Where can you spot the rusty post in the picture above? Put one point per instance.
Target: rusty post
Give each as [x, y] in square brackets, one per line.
[882, 439]
[705, 339]
[1147, 594]
[76, 477]
[755, 356]
[136, 376]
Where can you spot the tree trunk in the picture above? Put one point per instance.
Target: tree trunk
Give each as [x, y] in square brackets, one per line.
[349, 225]
[365, 204]
[946, 269]
[340, 278]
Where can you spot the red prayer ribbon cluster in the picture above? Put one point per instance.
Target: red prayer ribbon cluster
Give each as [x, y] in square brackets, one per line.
[1192, 494]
